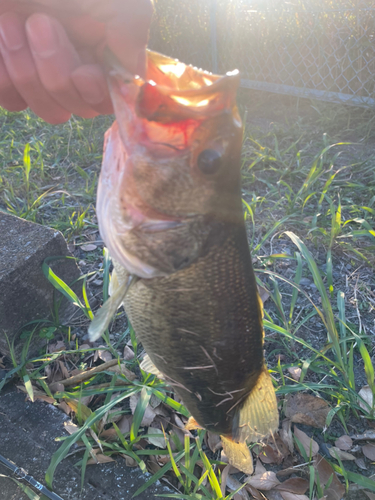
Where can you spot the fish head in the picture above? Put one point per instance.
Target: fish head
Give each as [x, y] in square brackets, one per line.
[170, 178]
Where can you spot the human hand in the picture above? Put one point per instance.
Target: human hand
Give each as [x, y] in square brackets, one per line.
[49, 54]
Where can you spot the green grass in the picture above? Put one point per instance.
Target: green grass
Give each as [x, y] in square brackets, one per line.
[309, 202]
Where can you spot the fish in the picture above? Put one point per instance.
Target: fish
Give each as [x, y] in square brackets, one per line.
[170, 212]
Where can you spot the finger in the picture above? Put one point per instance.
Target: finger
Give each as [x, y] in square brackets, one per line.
[91, 84]
[130, 30]
[56, 58]
[22, 71]
[10, 99]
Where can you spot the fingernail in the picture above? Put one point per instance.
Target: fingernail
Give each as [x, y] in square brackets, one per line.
[11, 34]
[90, 90]
[42, 35]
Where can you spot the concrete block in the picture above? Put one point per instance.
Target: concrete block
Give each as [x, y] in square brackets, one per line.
[25, 293]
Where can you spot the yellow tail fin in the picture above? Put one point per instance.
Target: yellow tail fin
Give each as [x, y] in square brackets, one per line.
[258, 417]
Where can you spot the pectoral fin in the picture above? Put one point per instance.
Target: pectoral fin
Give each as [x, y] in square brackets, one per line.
[104, 316]
[238, 455]
[258, 416]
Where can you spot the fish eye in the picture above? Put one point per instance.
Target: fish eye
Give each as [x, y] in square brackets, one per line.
[209, 161]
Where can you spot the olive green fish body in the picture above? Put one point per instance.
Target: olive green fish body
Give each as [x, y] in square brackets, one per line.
[202, 329]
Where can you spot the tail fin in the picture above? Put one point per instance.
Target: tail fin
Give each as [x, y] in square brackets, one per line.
[258, 417]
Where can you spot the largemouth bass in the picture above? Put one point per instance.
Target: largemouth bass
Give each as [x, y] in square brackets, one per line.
[170, 211]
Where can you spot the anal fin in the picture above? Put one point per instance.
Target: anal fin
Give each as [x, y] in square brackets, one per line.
[258, 416]
[238, 455]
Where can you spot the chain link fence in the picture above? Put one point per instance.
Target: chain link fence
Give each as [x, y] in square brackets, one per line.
[322, 49]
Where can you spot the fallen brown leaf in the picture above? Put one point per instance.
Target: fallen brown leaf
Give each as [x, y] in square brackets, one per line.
[122, 370]
[366, 394]
[263, 293]
[360, 463]
[291, 496]
[100, 459]
[103, 354]
[306, 409]
[369, 451]
[64, 407]
[233, 484]
[70, 427]
[213, 441]
[149, 413]
[224, 478]
[130, 462]
[285, 434]
[59, 346]
[84, 347]
[336, 489]
[265, 481]
[158, 441]
[270, 455]
[310, 446]
[342, 455]
[296, 485]
[344, 443]
[109, 435]
[125, 424]
[90, 247]
[295, 372]
[259, 468]
[128, 353]
[56, 387]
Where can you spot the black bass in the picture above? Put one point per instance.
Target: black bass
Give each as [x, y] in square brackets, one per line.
[170, 212]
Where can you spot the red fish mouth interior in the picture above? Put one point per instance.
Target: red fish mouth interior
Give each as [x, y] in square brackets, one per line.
[172, 103]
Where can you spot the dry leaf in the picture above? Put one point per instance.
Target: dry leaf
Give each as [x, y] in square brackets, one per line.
[306, 409]
[369, 451]
[109, 435]
[70, 427]
[122, 370]
[56, 387]
[273, 495]
[159, 442]
[130, 462]
[100, 459]
[259, 468]
[360, 463]
[369, 494]
[149, 414]
[83, 347]
[103, 355]
[366, 394]
[336, 489]
[233, 484]
[342, 455]
[286, 434]
[125, 424]
[90, 247]
[265, 481]
[128, 353]
[344, 443]
[295, 485]
[310, 446]
[59, 346]
[269, 455]
[224, 477]
[263, 293]
[291, 496]
[64, 407]
[213, 441]
[295, 372]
